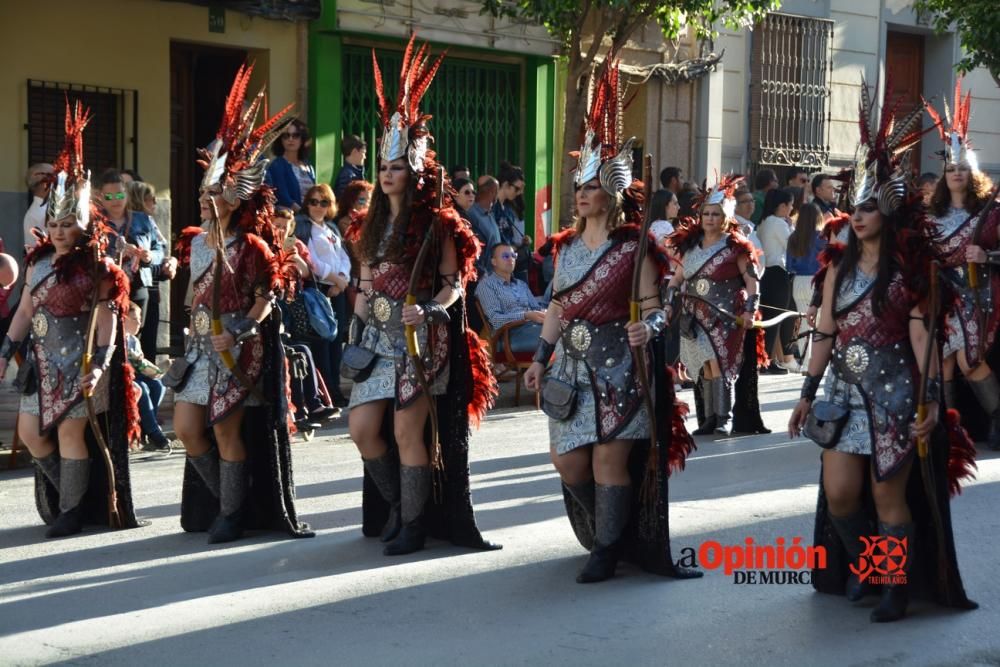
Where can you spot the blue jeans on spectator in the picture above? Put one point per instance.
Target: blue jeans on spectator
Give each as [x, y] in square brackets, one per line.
[523, 338]
[337, 347]
[151, 395]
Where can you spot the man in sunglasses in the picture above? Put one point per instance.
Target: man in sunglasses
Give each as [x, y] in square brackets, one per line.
[506, 299]
[133, 243]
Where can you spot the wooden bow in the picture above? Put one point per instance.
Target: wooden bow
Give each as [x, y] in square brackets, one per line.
[413, 345]
[115, 521]
[649, 487]
[744, 321]
[220, 260]
[923, 448]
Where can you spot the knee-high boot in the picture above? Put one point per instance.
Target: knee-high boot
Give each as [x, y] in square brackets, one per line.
[850, 528]
[49, 466]
[207, 467]
[384, 471]
[74, 478]
[613, 504]
[723, 391]
[415, 485]
[707, 427]
[949, 390]
[228, 526]
[987, 392]
[896, 597]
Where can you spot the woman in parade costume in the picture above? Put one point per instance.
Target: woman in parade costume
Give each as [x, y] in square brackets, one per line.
[957, 206]
[601, 428]
[876, 307]
[73, 307]
[412, 239]
[231, 405]
[719, 268]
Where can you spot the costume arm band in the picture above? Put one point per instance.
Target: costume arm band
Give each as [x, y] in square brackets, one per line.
[752, 302]
[102, 357]
[243, 329]
[544, 351]
[810, 386]
[435, 312]
[9, 348]
[817, 298]
[671, 298]
[657, 322]
[933, 390]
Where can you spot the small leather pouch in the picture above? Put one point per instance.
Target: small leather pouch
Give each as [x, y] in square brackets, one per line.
[558, 398]
[357, 363]
[177, 375]
[825, 423]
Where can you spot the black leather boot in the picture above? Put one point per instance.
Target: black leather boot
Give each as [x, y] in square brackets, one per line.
[896, 597]
[415, 484]
[612, 506]
[228, 525]
[384, 471]
[850, 528]
[987, 392]
[74, 478]
[707, 427]
[723, 405]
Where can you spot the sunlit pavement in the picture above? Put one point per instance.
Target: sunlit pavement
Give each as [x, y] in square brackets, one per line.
[156, 595]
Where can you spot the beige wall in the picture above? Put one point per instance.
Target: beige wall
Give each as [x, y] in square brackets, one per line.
[121, 44]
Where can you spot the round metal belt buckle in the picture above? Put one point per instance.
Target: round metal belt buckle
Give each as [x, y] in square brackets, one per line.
[39, 325]
[856, 358]
[702, 286]
[202, 323]
[580, 337]
[381, 309]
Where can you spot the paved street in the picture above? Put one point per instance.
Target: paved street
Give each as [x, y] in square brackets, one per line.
[159, 596]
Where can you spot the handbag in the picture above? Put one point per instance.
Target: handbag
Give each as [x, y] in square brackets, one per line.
[320, 311]
[558, 398]
[177, 375]
[825, 423]
[296, 319]
[357, 363]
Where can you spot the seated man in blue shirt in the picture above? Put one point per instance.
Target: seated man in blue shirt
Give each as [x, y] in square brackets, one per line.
[506, 299]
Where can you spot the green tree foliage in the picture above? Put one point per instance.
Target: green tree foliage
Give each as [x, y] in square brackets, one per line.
[977, 23]
[574, 22]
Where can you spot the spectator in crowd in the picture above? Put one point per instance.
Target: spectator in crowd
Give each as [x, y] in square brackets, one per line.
[290, 172]
[351, 202]
[480, 214]
[465, 196]
[142, 198]
[824, 187]
[926, 184]
[765, 181]
[798, 199]
[663, 209]
[506, 299]
[775, 286]
[331, 267]
[131, 176]
[355, 151]
[147, 380]
[672, 179]
[311, 402]
[804, 246]
[797, 177]
[37, 179]
[744, 211]
[460, 171]
[511, 186]
[8, 276]
[134, 242]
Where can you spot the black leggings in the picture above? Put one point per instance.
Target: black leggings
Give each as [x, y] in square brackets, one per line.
[776, 291]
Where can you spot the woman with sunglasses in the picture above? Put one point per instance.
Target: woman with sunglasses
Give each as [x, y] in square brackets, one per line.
[958, 199]
[614, 474]
[66, 292]
[332, 269]
[450, 382]
[290, 173]
[873, 335]
[135, 243]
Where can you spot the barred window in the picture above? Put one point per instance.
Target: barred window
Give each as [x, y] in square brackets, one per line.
[111, 137]
[791, 67]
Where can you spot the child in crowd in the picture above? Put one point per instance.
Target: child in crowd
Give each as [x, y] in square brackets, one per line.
[147, 378]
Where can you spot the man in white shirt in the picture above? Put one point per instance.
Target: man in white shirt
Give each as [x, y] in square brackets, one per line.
[37, 179]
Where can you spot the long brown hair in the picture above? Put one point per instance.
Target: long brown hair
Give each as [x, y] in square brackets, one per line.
[977, 194]
[809, 222]
[377, 219]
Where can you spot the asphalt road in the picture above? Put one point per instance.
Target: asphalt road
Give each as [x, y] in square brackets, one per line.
[156, 595]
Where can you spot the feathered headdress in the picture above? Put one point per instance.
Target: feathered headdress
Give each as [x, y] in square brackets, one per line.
[404, 129]
[723, 193]
[70, 193]
[600, 156]
[881, 173]
[954, 130]
[234, 159]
